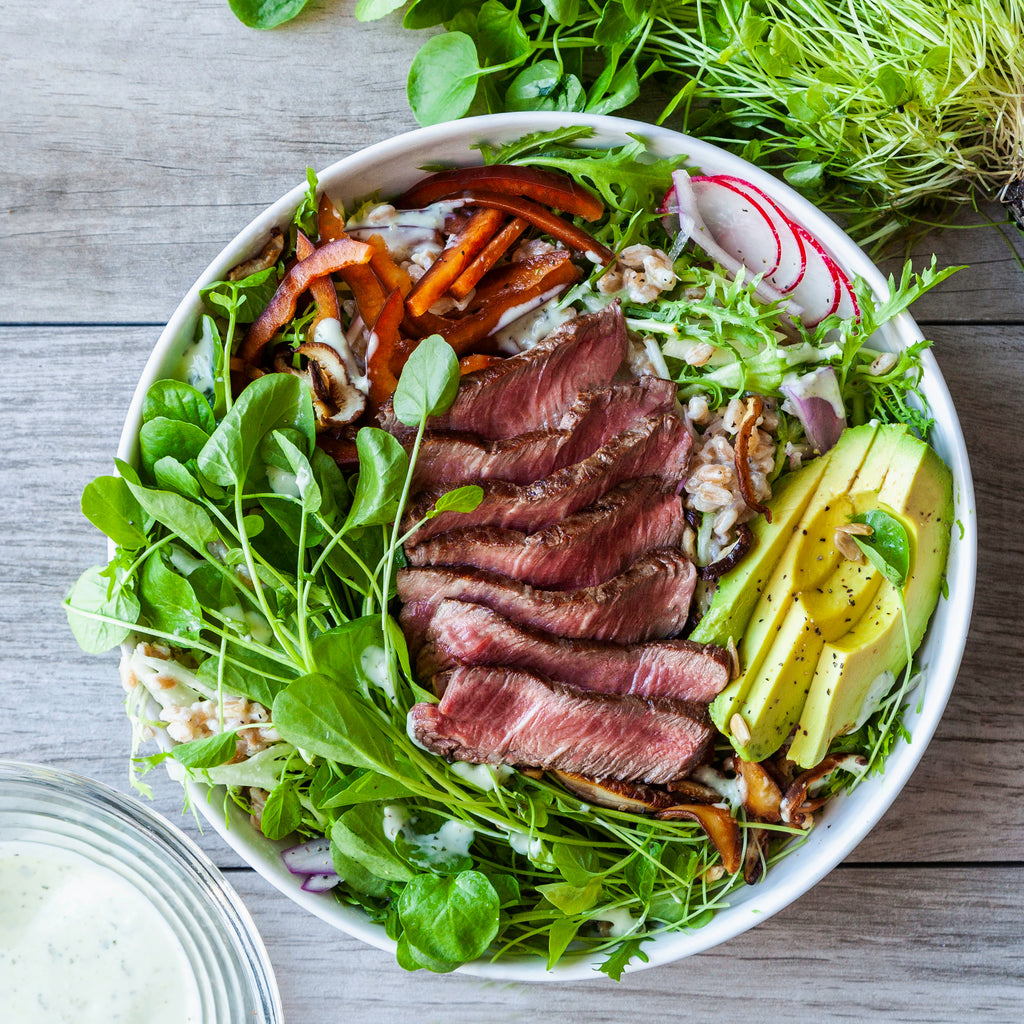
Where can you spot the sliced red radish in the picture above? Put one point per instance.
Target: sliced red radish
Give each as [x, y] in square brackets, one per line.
[689, 209]
[739, 223]
[820, 288]
[848, 308]
[792, 251]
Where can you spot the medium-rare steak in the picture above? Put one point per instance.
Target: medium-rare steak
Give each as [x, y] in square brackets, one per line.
[659, 446]
[446, 459]
[472, 634]
[498, 716]
[582, 550]
[650, 600]
[531, 391]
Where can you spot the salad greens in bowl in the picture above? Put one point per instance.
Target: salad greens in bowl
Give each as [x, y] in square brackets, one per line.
[283, 519]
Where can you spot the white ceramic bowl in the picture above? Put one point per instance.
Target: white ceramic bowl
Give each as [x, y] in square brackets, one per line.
[388, 168]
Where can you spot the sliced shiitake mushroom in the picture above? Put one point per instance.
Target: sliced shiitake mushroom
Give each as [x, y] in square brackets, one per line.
[336, 400]
[796, 804]
[760, 793]
[632, 797]
[694, 792]
[267, 257]
[746, 428]
[720, 826]
[753, 859]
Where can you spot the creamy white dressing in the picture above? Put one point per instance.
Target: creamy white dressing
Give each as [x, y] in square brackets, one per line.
[283, 481]
[168, 682]
[621, 922]
[373, 663]
[532, 328]
[728, 789]
[80, 944]
[328, 332]
[483, 776]
[525, 845]
[511, 317]
[395, 819]
[450, 841]
[877, 691]
[253, 621]
[196, 364]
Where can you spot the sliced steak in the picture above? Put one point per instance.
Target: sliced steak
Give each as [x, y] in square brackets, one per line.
[531, 391]
[497, 716]
[650, 600]
[583, 550]
[472, 634]
[658, 446]
[447, 459]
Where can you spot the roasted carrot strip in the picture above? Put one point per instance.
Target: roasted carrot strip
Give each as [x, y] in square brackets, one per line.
[476, 361]
[453, 261]
[384, 343]
[331, 258]
[517, 275]
[329, 222]
[548, 222]
[469, 330]
[489, 255]
[367, 290]
[322, 289]
[391, 275]
[555, 190]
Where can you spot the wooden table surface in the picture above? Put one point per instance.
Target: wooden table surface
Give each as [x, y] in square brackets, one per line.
[137, 138]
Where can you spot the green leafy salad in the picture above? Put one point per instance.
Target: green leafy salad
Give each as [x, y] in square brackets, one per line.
[253, 590]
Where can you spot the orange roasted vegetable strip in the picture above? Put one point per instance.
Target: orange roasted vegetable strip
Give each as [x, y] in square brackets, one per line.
[453, 261]
[391, 275]
[548, 222]
[517, 275]
[383, 346]
[367, 290]
[524, 291]
[329, 222]
[548, 187]
[489, 255]
[476, 361]
[322, 289]
[328, 259]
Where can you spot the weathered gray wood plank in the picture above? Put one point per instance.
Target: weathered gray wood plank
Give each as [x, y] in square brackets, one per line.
[893, 945]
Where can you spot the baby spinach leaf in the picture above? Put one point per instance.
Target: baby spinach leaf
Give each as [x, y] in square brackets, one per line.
[565, 12]
[451, 918]
[265, 13]
[888, 547]
[268, 403]
[373, 10]
[94, 592]
[370, 787]
[426, 13]
[383, 465]
[289, 471]
[282, 813]
[171, 475]
[253, 678]
[338, 652]
[429, 380]
[205, 753]
[175, 400]
[412, 959]
[327, 717]
[462, 499]
[358, 835]
[112, 508]
[333, 489]
[576, 864]
[181, 516]
[168, 601]
[443, 77]
[161, 437]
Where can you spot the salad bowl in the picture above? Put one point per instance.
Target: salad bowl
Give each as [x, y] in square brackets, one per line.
[389, 168]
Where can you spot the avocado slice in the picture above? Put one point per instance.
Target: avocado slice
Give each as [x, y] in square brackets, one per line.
[918, 490]
[788, 539]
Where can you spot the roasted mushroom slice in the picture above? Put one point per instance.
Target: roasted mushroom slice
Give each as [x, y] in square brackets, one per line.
[336, 400]
[720, 826]
[632, 797]
[796, 804]
[753, 860]
[759, 792]
[266, 258]
[694, 792]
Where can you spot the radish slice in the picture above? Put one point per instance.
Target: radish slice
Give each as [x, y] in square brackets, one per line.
[792, 251]
[820, 288]
[739, 224]
[848, 308]
[688, 208]
[312, 858]
[320, 883]
[817, 402]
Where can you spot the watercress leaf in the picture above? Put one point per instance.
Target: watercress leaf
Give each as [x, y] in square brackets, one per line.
[176, 400]
[623, 90]
[112, 508]
[359, 836]
[507, 888]
[804, 174]
[205, 753]
[429, 381]
[451, 918]
[615, 26]
[304, 217]
[561, 932]
[427, 13]
[383, 465]
[265, 14]
[888, 547]
[565, 12]
[373, 10]
[94, 592]
[162, 436]
[500, 34]
[289, 471]
[212, 587]
[533, 86]
[370, 787]
[282, 813]
[442, 78]
[641, 871]
[168, 601]
[572, 899]
[268, 403]
[248, 673]
[246, 299]
[171, 475]
[462, 499]
[181, 516]
[576, 864]
[327, 717]
[620, 957]
[412, 959]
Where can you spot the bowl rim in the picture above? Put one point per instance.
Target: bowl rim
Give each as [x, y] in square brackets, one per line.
[871, 800]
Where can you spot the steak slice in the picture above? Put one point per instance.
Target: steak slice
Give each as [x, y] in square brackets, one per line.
[659, 446]
[471, 634]
[532, 390]
[497, 716]
[650, 600]
[581, 551]
[448, 459]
